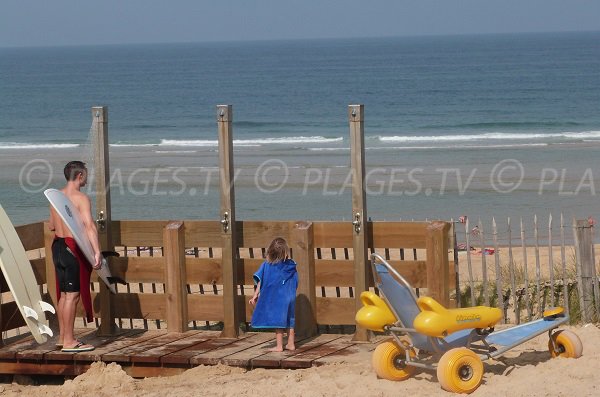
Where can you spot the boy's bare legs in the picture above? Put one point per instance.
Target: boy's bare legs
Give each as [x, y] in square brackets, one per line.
[279, 338]
[291, 336]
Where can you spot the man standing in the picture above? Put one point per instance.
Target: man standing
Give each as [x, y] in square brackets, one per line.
[72, 269]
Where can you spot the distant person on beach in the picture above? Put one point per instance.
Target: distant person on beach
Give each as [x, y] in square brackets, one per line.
[275, 295]
[72, 269]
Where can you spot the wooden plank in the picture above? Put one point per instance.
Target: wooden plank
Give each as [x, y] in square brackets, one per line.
[125, 354]
[103, 205]
[399, 234]
[28, 349]
[246, 269]
[437, 262]
[332, 234]
[151, 370]
[526, 271]
[415, 272]
[203, 270]
[154, 355]
[136, 269]
[230, 228]
[361, 226]
[31, 235]
[208, 270]
[41, 368]
[245, 357]
[273, 359]
[175, 278]
[306, 359]
[32, 351]
[335, 311]
[499, 296]
[213, 357]
[50, 269]
[513, 285]
[142, 306]
[205, 307]
[582, 233]
[257, 234]
[564, 270]
[484, 275]
[203, 233]
[303, 252]
[134, 337]
[89, 336]
[11, 316]
[138, 233]
[334, 272]
[346, 354]
[9, 352]
[3, 285]
[184, 356]
[340, 272]
[39, 270]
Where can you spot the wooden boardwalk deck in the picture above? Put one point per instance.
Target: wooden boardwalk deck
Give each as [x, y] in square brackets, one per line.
[144, 353]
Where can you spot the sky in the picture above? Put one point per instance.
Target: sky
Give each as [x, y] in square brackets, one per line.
[82, 22]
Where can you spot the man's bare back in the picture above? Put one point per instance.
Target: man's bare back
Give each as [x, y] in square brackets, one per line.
[81, 203]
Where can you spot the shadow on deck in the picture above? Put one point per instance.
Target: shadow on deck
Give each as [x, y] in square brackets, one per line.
[144, 353]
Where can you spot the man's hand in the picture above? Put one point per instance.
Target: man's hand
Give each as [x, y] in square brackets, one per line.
[98, 260]
[253, 300]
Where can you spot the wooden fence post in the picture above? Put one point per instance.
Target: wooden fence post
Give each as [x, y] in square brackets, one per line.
[437, 262]
[303, 251]
[582, 232]
[103, 208]
[175, 277]
[229, 260]
[359, 209]
[50, 270]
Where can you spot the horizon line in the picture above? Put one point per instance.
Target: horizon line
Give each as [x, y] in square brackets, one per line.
[300, 39]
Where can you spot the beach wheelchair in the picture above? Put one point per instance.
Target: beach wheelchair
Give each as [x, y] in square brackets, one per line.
[451, 341]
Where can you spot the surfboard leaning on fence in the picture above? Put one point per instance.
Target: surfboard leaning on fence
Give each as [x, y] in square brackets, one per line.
[21, 281]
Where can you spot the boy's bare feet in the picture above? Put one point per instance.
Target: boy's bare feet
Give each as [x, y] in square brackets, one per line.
[276, 349]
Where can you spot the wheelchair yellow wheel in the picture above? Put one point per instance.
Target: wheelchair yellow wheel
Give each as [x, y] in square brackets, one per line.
[460, 371]
[567, 343]
[389, 361]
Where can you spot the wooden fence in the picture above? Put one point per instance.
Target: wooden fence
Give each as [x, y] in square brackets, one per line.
[523, 276]
[175, 275]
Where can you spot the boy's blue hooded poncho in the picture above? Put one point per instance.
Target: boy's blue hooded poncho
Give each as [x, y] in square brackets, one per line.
[277, 300]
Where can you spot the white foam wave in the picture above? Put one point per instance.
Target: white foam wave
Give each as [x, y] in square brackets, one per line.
[327, 149]
[492, 146]
[17, 145]
[253, 142]
[491, 136]
[132, 144]
[174, 151]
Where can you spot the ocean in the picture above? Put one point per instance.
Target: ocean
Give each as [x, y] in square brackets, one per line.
[491, 125]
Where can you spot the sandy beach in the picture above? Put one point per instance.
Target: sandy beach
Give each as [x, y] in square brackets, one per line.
[527, 370]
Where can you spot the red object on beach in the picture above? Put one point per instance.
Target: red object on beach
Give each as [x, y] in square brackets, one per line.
[462, 219]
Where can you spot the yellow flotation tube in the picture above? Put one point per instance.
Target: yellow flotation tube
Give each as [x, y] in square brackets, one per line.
[436, 320]
[375, 313]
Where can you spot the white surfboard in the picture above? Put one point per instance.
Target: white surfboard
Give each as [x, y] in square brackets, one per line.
[21, 280]
[70, 217]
